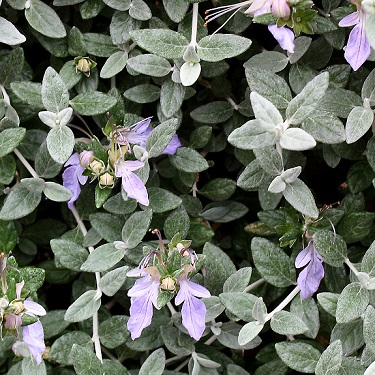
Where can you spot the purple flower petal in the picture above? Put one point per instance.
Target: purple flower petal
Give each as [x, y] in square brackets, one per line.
[33, 336]
[350, 20]
[358, 48]
[34, 308]
[73, 178]
[193, 310]
[173, 145]
[143, 295]
[284, 36]
[304, 256]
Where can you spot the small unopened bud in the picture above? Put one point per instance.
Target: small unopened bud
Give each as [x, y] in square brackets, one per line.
[106, 180]
[96, 166]
[18, 307]
[84, 65]
[368, 6]
[281, 9]
[3, 303]
[12, 321]
[168, 284]
[86, 157]
[180, 247]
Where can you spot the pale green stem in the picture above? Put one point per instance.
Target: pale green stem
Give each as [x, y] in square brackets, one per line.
[171, 308]
[183, 364]
[174, 359]
[351, 266]
[95, 319]
[254, 285]
[194, 25]
[232, 103]
[26, 163]
[283, 304]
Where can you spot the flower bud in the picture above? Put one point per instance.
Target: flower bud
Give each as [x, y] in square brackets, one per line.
[106, 180]
[168, 284]
[86, 157]
[281, 9]
[368, 6]
[4, 303]
[12, 321]
[84, 65]
[96, 166]
[18, 307]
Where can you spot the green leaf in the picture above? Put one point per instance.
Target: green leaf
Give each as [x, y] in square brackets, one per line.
[145, 93]
[330, 246]
[219, 189]
[9, 139]
[23, 199]
[270, 86]
[53, 323]
[30, 367]
[187, 160]
[108, 226]
[154, 363]
[56, 192]
[76, 40]
[355, 226]
[8, 236]
[62, 347]
[114, 64]
[308, 312]
[269, 60]
[370, 29]
[161, 42]
[113, 331]
[352, 303]
[324, 127]
[177, 222]
[368, 88]
[360, 176]
[264, 110]
[28, 92]
[330, 361]
[221, 46]
[103, 258]
[92, 103]
[339, 102]
[33, 277]
[369, 327]
[224, 212]
[11, 66]
[296, 139]
[140, 10]
[160, 137]
[212, 113]
[272, 263]
[176, 9]
[99, 44]
[286, 323]
[112, 281]
[358, 123]
[350, 334]
[269, 159]
[55, 96]
[135, 228]
[121, 25]
[219, 267]
[112, 367]
[298, 356]
[171, 97]
[85, 361]
[149, 64]
[252, 176]
[60, 143]
[301, 198]
[44, 19]
[162, 200]
[84, 307]
[9, 34]
[307, 100]
[69, 254]
[328, 301]
[118, 4]
[249, 331]
[239, 303]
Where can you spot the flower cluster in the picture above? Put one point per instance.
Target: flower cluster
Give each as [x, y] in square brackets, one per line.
[20, 314]
[163, 273]
[113, 163]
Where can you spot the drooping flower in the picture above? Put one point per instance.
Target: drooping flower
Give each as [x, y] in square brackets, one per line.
[33, 337]
[131, 183]
[143, 296]
[73, 177]
[193, 309]
[138, 133]
[358, 48]
[309, 278]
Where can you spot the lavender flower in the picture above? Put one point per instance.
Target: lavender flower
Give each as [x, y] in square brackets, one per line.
[143, 295]
[73, 177]
[131, 183]
[309, 279]
[138, 134]
[358, 48]
[33, 337]
[193, 309]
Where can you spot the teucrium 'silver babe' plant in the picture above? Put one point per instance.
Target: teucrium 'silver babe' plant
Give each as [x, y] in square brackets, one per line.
[245, 127]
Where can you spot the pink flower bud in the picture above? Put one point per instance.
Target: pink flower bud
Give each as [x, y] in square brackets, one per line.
[85, 158]
[12, 321]
[281, 9]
